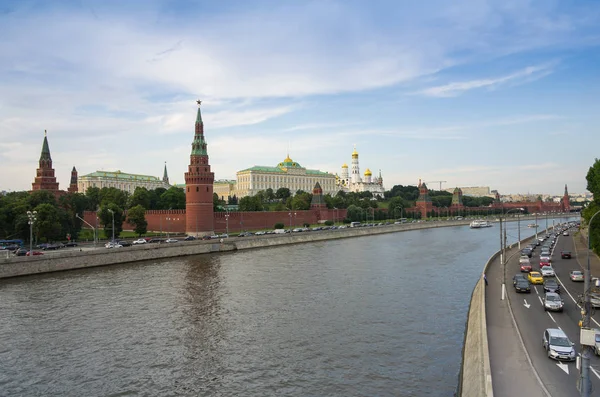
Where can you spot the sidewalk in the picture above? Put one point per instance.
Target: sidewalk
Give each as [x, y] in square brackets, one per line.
[512, 373]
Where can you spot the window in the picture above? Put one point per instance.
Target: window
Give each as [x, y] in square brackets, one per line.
[197, 189]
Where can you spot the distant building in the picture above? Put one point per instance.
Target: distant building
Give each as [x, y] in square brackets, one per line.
[224, 188]
[352, 182]
[474, 191]
[287, 174]
[122, 181]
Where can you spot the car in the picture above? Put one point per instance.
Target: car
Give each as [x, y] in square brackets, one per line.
[140, 241]
[517, 277]
[544, 263]
[155, 240]
[547, 271]
[544, 258]
[535, 278]
[565, 233]
[171, 240]
[34, 253]
[42, 246]
[576, 275]
[52, 247]
[551, 285]
[21, 252]
[565, 254]
[522, 285]
[71, 244]
[190, 238]
[113, 244]
[553, 302]
[207, 237]
[557, 345]
[224, 235]
[524, 259]
[525, 267]
[527, 251]
[124, 243]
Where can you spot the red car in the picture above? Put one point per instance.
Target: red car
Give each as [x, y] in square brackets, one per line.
[544, 263]
[565, 254]
[526, 267]
[34, 253]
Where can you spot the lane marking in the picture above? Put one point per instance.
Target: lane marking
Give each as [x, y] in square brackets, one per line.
[541, 301]
[576, 303]
[536, 291]
[595, 373]
[552, 318]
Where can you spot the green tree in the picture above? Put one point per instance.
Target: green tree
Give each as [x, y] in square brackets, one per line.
[250, 203]
[355, 213]
[47, 225]
[112, 195]
[218, 203]
[141, 196]
[174, 198]
[136, 216]
[283, 193]
[269, 194]
[93, 196]
[279, 207]
[106, 219]
[301, 201]
[41, 197]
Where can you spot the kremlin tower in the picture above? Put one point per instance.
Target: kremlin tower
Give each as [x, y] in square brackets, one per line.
[73, 185]
[199, 180]
[45, 179]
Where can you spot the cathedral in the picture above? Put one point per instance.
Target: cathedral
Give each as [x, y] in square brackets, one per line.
[354, 183]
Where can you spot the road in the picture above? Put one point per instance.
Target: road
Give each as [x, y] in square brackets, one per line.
[558, 378]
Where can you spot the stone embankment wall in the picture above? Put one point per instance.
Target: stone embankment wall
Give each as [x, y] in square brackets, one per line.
[74, 259]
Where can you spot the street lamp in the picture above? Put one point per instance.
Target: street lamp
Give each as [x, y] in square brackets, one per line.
[290, 214]
[227, 224]
[401, 209]
[586, 384]
[335, 214]
[113, 224]
[32, 216]
[93, 229]
[503, 247]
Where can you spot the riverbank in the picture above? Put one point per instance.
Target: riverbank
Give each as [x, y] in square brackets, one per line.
[68, 260]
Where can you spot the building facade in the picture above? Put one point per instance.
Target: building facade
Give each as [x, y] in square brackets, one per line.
[474, 191]
[121, 180]
[287, 174]
[199, 179]
[351, 181]
[224, 188]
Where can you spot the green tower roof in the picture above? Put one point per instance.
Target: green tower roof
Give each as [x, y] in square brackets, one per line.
[199, 143]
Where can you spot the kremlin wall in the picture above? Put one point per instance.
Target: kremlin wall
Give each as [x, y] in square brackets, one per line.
[199, 219]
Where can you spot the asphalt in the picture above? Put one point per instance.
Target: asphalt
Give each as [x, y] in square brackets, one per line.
[510, 371]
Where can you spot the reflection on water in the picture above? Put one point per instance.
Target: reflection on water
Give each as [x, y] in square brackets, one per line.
[380, 316]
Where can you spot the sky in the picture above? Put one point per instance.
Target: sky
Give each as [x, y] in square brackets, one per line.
[502, 94]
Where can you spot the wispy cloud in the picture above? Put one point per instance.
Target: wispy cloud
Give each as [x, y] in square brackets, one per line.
[522, 76]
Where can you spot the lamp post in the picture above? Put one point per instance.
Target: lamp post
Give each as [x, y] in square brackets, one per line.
[32, 216]
[93, 229]
[227, 224]
[401, 209]
[586, 383]
[335, 215]
[503, 248]
[290, 214]
[113, 224]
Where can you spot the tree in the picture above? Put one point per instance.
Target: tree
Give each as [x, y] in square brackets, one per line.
[174, 198]
[137, 217]
[593, 180]
[301, 201]
[283, 193]
[218, 203]
[355, 213]
[141, 196]
[250, 203]
[48, 225]
[106, 219]
[112, 195]
[269, 194]
[93, 196]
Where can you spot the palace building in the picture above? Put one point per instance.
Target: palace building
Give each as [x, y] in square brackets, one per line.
[122, 181]
[287, 174]
[354, 183]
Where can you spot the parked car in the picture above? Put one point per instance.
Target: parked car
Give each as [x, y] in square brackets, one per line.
[565, 254]
[576, 275]
[112, 244]
[557, 345]
[70, 244]
[553, 302]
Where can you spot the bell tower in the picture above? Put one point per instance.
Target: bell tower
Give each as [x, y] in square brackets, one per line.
[199, 215]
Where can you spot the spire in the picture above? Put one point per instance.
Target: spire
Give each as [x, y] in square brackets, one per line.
[199, 115]
[45, 155]
[165, 175]
[566, 191]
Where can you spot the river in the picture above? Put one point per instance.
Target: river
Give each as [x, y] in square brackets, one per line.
[372, 316]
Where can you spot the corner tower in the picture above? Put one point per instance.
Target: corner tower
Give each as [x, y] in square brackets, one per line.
[199, 185]
[44, 177]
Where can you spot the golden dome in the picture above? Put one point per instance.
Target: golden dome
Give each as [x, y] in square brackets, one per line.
[354, 153]
[288, 159]
[368, 172]
[344, 165]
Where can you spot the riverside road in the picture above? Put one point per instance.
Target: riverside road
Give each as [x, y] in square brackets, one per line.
[378, 315]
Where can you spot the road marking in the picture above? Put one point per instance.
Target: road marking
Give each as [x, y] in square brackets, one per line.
[578, 305]
[527, 305]
[536, 291]
[564, 367]
[541, 301]
[595, 373]
[552, 317]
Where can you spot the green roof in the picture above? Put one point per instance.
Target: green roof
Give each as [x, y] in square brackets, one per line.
[121, 175]
[45, 149]
[282, 167]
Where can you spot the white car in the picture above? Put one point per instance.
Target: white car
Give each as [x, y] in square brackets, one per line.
[140, 241]
[171, 240]
[113, 245]
[576, 275]
[545, 258]
[547, 271]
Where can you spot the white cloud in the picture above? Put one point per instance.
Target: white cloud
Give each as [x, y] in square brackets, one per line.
[527, 74]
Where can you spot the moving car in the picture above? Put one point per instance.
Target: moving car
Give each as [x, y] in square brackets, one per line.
[545, 257]
[557, 345]
[111, 244]
[551, 285]
[576, 275]
[565, 254]
[518, 277]
[524, 259]
[191, 238]
[535, 278]
[34, 253]
[565, 233]
[171, 240]
[522, 286]
[527, 251]
[124, 243]
[547, 271]
[544, 263]
[525, 267]
[553, 302]
[140, 241]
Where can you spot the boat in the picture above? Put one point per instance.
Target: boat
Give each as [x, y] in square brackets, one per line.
[480, 223]
[532, 225]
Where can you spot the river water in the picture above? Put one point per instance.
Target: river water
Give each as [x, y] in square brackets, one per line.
[372, 316]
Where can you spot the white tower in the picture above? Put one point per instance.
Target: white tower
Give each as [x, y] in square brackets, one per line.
[355, 178]
[368, 175]
[344, 176]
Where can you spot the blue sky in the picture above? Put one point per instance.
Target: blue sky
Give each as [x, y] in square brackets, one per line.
[476, 93]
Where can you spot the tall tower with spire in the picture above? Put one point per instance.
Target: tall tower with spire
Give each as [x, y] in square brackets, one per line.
[199, 185]
[165, 175]
[355, 177]
[73, 185]
[566, 203]
[45, 178]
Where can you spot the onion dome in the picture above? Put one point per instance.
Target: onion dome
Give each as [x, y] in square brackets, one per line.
[288, 159]
[368, 172]
[344, 165]
[354, 154]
